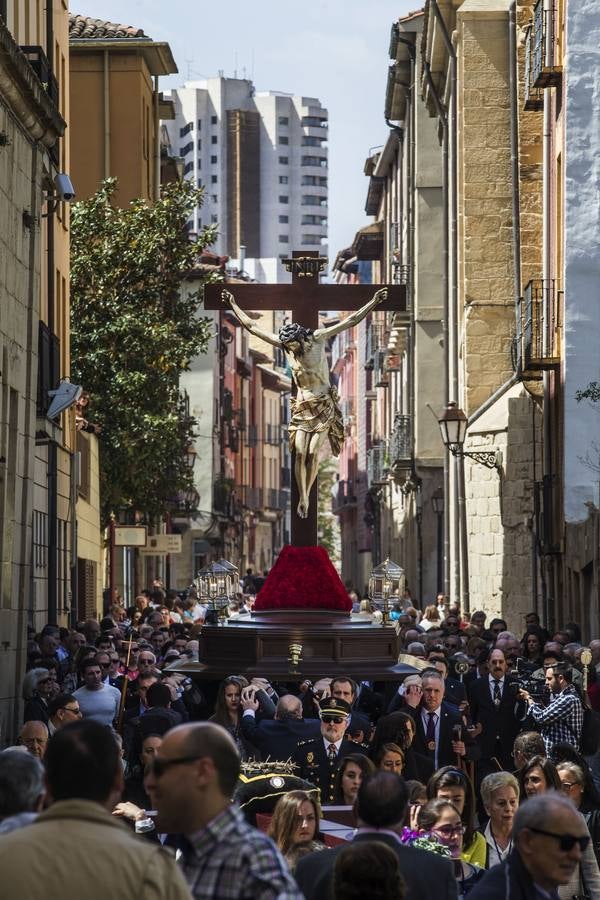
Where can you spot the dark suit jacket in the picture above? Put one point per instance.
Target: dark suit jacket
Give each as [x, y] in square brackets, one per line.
[426, 874]
[509, 879]
[278, 740]
[500, 724]
[446, 755]
[314, 765]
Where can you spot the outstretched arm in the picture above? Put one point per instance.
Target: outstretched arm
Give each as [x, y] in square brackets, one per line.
[355, 317]
[247, 322]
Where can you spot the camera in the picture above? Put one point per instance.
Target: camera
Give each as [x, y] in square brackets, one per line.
[64, 187]
[535, 687]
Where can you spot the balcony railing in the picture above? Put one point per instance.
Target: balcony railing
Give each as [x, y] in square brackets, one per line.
[344, 495]
[540, 326]
[38, 61]
[401, 443]
[377, 465]
[534, 97]
[380, 371]
[545, 72]
[374, 342]
[252, 497]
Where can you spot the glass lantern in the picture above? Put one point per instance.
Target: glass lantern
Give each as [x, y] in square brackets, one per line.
[215, 586]
[234, 574]
[386, 586]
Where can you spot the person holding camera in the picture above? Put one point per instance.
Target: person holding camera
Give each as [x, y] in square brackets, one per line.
[562, 720]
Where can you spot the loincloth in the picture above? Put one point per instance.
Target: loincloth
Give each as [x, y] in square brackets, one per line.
[315, 415]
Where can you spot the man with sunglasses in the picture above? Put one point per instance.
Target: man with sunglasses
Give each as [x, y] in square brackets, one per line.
[191, 782]
[62, 710]
[319, 758]
[549, 838]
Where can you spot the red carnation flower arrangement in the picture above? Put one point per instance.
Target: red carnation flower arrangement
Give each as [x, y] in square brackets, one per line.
[303, 578]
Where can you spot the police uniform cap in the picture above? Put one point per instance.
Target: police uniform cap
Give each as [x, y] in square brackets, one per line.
[334, 706]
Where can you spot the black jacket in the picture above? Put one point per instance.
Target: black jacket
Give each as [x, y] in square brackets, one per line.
[314, 765]
[277, 739]
[508, 881]
[500, 724]
[446, 755]
[426, 874]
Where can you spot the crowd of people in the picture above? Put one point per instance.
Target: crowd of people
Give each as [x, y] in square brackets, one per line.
[476, 774]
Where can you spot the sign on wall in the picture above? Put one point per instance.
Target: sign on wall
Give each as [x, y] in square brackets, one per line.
[130, 536]
[161, 544]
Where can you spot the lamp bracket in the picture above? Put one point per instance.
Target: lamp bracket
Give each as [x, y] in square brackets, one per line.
[492, 459]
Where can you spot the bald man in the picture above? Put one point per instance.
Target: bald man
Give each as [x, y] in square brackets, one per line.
[277, 738]
[191, 783]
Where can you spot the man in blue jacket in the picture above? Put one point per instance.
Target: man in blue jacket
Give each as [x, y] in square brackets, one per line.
[278, 738]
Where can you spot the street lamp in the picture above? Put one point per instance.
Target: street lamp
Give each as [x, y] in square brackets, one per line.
[190, 455]
[453, 427]
[437, 502]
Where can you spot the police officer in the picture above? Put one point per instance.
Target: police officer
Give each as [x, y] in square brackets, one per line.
[319, 759]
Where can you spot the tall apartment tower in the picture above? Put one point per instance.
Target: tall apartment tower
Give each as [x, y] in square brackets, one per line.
[262, 160]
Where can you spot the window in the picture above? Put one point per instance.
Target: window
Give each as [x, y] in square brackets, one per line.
[199, 124]
[213, 219]
[314, 181]
[284, 239]
[284, 160]
[284, 199]
[284, 120]
[308, 141]
[213, 179]
[311, 239]
[283, 140]
[183, 151]
[214, 139]
[283, 220]
[313, 161]
[314, 122]
[199, 144]
[199, 182]
[214, 198]
[283, 179]
[213, 120]
[314, 220]
[189, 168]
[313, 200]
[213, 160]
[186, 129]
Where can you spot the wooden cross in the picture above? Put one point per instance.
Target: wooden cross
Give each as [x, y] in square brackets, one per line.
[306, 298]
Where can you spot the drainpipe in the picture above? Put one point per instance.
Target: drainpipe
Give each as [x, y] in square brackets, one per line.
[445, 329]
[106, 110]
[156, 141]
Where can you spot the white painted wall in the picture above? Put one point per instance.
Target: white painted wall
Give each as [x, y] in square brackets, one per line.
[582, 253]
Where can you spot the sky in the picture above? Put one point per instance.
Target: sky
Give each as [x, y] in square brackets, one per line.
[334, 50]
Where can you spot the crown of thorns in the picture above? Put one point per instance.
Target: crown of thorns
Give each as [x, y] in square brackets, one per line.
[294, 332]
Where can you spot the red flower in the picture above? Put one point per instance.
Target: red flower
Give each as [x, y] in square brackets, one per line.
[303, 578]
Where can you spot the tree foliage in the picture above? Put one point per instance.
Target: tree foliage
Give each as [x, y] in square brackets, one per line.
[591, 392]
[133, 331]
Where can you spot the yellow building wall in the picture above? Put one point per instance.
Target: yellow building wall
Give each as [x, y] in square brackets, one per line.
[127, 109]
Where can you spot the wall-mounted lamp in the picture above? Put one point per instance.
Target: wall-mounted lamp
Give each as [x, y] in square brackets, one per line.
[453, 427]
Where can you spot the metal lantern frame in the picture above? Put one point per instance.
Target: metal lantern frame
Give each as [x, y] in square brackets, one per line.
[386, 585]
[216, 584]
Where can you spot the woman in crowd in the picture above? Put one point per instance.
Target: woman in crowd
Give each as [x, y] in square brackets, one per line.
[38, 688]
[390, 758]
[455, 786]
[442, 820]
[500, 797]
[228, 709]
[368, 869]
[532, 646]
[295, 826]
[349, 777]
[537, 776]
[578, 786]
[399, 728]
[431, 618]
[134, 790]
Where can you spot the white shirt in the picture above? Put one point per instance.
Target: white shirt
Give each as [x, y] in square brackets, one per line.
[492, 683]
[327, 745]
[496, 854]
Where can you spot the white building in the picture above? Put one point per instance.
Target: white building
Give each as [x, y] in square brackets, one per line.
[262, 160]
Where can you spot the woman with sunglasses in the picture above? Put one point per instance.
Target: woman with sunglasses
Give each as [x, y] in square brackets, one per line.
[38, 689]
[349, 776]
[583, 795]
[442, 820]
[454, 786]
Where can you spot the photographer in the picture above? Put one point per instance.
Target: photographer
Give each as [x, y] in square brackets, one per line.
[562, 720]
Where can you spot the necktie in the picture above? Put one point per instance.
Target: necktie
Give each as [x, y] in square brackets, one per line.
[332, 753]
[430, 734]
[497, 693]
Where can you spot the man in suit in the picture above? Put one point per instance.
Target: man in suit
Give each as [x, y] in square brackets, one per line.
[278, 738]
[380, 810]
[319, 759]
[440, 735]
[362, 698]
[494, 705]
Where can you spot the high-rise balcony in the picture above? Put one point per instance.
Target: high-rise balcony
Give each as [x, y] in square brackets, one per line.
[401, 450]
[377, 465]
[540, 327]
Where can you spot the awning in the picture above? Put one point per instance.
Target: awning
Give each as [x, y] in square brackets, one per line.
[368, 242]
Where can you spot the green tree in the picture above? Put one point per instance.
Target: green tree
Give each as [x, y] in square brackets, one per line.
[327, 523]
[133, 331]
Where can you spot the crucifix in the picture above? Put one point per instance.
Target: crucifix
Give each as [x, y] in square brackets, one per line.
[315, 409]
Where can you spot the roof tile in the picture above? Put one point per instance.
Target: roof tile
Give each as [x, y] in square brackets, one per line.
[86, 28]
